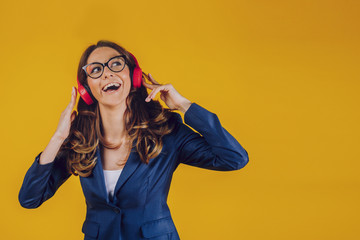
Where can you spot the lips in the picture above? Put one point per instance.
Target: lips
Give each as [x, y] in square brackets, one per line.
[111, 87]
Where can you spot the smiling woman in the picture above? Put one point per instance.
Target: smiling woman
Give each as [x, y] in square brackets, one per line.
[107, 66]
[124, 146]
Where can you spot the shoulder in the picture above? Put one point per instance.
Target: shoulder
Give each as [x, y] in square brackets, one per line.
[61, 161]
[174, 122]
[179, 128]
[176, 117]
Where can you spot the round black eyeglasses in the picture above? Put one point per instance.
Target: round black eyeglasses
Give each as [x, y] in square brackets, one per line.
[96, 69]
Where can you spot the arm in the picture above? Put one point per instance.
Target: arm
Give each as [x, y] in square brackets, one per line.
[48, 172]
[42, 180]
[216, 149]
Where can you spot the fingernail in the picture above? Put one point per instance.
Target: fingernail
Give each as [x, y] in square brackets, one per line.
[150, 75]
[73, 91]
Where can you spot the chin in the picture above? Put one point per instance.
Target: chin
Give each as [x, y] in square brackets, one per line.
[111, 102]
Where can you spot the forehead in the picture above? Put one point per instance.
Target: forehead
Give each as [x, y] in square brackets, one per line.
[102, 54]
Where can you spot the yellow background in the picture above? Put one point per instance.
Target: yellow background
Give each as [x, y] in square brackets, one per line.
[282, 76]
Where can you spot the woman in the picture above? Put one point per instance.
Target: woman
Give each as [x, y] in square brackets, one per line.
[125, 147]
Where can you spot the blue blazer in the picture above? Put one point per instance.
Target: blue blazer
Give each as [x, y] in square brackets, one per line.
[139, 208]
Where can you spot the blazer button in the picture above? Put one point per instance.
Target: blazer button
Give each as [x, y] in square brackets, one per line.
[116, 210]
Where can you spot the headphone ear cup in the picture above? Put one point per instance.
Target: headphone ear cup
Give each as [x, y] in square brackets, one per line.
[90, 93]
[85, 93]
[137, 73]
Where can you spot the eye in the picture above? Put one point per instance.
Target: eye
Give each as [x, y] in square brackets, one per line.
[117, 63]
[95, 69]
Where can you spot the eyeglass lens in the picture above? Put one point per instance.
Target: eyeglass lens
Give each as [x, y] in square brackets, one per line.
[95, 70]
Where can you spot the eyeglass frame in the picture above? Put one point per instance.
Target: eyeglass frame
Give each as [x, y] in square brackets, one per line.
[105, 65]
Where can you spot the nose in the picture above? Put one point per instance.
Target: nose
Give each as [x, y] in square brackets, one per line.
[107, 73]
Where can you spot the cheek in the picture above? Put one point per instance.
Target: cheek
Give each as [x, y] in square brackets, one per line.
[92, 85]
[125, 76]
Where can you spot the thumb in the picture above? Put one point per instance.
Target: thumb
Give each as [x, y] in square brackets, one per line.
[162, 97]
[73, 115]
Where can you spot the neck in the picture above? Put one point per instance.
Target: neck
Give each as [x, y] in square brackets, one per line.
[113, 123]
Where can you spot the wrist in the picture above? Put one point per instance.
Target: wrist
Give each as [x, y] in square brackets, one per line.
[57, 138]
[184, 106]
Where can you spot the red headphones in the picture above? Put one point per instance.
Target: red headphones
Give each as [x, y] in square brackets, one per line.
[85, 92]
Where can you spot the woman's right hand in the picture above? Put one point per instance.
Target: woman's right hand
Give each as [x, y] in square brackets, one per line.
[66, 118]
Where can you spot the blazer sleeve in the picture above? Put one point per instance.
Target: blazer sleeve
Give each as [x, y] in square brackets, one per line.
[214, 149]
[41, 181]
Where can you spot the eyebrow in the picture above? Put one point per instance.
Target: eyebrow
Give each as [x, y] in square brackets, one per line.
[107, 60]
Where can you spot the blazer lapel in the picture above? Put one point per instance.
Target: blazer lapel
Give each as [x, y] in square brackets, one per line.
[131, 164]
[99, 175]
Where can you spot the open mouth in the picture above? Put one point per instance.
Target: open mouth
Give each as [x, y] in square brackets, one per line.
[111, 87]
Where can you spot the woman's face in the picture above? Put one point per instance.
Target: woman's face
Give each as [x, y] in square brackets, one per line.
[110, 98]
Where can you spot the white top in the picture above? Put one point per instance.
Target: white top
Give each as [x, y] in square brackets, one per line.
[111, 178]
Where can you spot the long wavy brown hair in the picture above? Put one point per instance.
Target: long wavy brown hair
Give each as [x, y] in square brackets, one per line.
[145, 122]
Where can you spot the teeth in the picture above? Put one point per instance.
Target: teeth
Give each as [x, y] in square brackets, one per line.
[111, 84]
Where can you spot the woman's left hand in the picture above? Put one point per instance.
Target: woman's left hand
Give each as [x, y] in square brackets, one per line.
[168, 94]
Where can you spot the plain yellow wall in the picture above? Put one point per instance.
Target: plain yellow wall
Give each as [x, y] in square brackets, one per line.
[282, 76]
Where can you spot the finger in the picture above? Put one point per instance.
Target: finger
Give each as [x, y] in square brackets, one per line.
[151, 86]
[148, 85]
[154, 92]
[150, 96]
[73, 115]
[152, 79]
[162, 97]
[73, 99]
